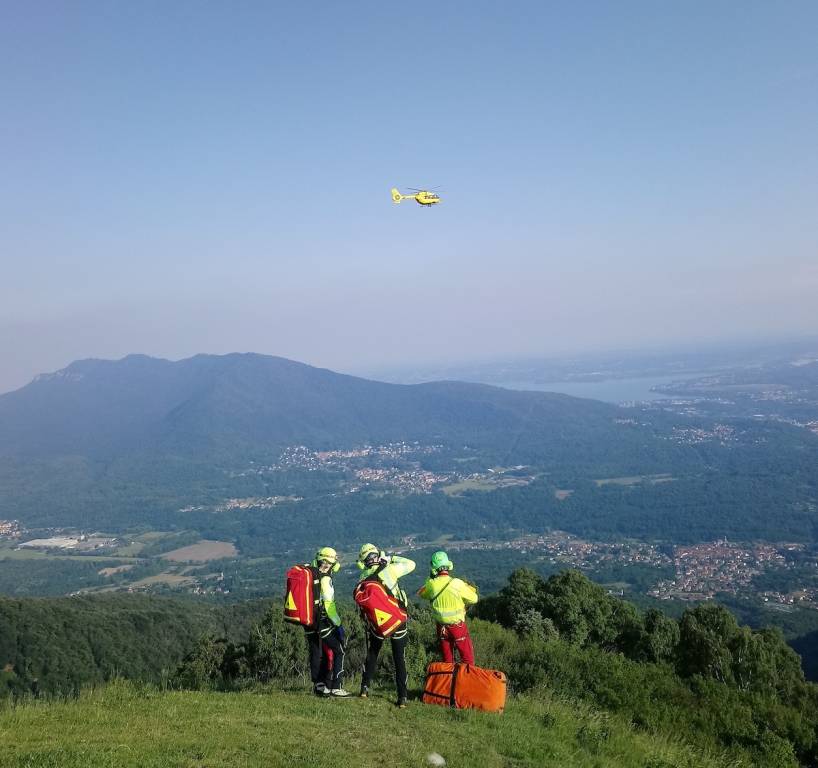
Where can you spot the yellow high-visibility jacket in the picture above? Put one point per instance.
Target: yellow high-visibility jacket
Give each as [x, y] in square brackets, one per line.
[327, 602]
[449, 598]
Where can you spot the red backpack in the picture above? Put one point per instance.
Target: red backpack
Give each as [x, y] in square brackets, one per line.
[381, 611]
[301, 597]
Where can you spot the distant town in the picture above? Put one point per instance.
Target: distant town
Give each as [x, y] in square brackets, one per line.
[702, 571]
[392, 467]
[9, 529]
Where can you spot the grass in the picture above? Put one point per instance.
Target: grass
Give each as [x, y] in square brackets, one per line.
[9, 553]
[635, 480]
[456, 489]
[166, 577]
[202, 551]
[125, 725]
[131, 550]
[112, 570]
[149, 537]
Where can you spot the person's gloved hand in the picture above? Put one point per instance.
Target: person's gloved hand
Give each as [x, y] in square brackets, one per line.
[342, 635]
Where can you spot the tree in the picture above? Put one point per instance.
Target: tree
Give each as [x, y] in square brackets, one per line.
[659, 639]
[705, 634]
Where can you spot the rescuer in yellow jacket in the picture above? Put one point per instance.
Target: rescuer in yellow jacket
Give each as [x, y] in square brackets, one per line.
[326, 639]
[387, 568]
[449, 598]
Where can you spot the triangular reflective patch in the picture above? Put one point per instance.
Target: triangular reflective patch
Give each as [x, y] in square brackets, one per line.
[382, 617]
[291, 606]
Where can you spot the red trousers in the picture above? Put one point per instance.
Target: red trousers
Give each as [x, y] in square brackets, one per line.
[455, 636]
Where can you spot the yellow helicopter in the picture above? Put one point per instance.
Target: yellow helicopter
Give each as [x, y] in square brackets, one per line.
[421, 196]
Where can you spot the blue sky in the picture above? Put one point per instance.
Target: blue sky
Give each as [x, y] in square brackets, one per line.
[186, 177]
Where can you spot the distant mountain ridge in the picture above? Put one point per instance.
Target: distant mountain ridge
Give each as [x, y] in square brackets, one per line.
[102, 408]
[134, 441]
[141, 441]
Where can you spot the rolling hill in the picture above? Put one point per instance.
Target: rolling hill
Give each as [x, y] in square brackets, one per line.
[145, 442]
[206, 405]
[128, 440]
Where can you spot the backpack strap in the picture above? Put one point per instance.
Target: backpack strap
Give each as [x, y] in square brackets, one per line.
[376, 577]
[445, 586]
[316, 592]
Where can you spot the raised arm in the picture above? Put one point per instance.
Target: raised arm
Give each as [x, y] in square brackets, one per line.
[468, 594]
[400, 566]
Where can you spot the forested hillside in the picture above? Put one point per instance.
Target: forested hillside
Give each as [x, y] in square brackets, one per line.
[57, 646]
[212, 407]
[142, 443]
[132, 441]
[702, 679]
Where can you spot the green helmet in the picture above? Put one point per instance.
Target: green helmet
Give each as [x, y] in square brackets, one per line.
[328, 555]
[366, 552]
[440, 562]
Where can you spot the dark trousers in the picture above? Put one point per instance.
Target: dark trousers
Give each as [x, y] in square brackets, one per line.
[332, 675]
[373, 648]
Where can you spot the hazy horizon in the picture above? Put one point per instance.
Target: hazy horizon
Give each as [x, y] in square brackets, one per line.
[192, 178]
[728, 352]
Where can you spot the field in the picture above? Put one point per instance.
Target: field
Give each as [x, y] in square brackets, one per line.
[201, 552]
[455, 489]
[9, 552]
[167, 577]
[127, 726]
[131, 550]
[113, 570]
[635, 480]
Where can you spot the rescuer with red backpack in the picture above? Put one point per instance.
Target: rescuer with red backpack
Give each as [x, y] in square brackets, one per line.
[449, 598]
[383, 606]
[310, 602]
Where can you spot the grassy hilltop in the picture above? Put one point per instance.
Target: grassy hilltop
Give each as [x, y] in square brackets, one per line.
[595, 682]
[128, 725]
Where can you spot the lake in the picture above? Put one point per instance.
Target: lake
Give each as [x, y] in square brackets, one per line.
[607, 390]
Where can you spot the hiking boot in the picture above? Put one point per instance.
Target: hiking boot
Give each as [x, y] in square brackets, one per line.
[339, 692]
[364, 694]
[402, 703]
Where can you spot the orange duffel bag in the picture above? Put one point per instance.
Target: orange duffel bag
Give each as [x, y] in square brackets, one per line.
[465, 686]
